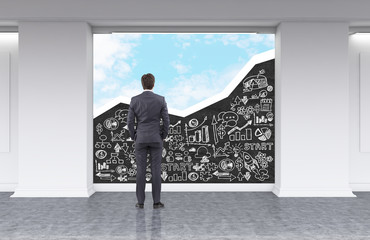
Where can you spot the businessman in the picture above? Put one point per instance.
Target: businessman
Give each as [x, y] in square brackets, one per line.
[148, 109]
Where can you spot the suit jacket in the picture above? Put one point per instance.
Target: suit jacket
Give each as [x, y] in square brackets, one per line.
[148, 108]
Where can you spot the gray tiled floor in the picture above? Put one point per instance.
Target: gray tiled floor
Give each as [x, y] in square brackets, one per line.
[186, 216]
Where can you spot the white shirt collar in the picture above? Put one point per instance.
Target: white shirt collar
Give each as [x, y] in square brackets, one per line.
[148, 90]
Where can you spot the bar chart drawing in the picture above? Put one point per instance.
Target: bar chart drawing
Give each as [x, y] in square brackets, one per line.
[241, 136]
[175, 129]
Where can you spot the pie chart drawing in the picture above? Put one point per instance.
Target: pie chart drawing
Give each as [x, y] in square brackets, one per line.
[263, 134]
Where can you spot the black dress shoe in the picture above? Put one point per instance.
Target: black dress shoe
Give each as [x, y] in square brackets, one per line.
[138, 205]
[158, 205]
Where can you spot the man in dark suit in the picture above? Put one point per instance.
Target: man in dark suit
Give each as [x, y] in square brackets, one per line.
[148, 108]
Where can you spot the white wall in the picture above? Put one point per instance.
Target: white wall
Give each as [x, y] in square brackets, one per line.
[189, 12]
[55, 110]
[312, 113]
[360, 161]
[9, 160]
[57, 52]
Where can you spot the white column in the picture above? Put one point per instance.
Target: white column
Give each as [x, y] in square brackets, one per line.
[312, 131]
[55, 110]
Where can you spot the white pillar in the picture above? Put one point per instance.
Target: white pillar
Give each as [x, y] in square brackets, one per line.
[55, 110]
[312, 108]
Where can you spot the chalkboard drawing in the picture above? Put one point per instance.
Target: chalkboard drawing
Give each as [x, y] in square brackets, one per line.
[263, 94]
[266, 104]
[211, 166]
[99, 128]
[106, 176]
[247, 176]
[249, 134]
[193, 123]
[228, 138]
[178, 156]
[205, 176]
[259, 120]
[255, 82]
[164, 152]
[227, 165]
[270, 116]
[178, 178]
[199, 167]
[170, 158]
[244, 99]
[101, 154]
[229, 119]
[204, 159]
[111, 124]
[263, 133]
[117, 148]
[118, 137]
[193, 176]
[101, 166]
[122, 178]
[121, 115]
[238, 135]
[192, 149]
[214, 126]
[225, 175]
[221, 131]
[223, 150]
[175, 129]
[262, 174]
[240, 177]
[236, 149]
[187, 158]
[103, 142]
[148, 176]
[132, 172]
[115, 159]
[199, 134]
[164, 175]
[121, 169]
[239, 164]
[124, 147]
[201, 152]
[252, 165]
[236, 102]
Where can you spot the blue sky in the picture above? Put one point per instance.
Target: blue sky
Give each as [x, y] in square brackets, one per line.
[188, 67]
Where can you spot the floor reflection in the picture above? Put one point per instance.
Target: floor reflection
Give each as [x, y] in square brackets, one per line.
[154, 225]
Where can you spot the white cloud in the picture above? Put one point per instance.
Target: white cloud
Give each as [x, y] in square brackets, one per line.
[191, 90]
[99, 75]
[229, 39]
[121, 68]
[185, 45]
[180, 68]
[109, 87]
[110, 50]
[132, 89]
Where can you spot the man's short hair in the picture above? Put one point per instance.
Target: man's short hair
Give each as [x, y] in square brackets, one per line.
[147, 80]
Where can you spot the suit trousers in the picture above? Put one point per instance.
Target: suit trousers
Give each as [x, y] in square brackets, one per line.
[155, 155]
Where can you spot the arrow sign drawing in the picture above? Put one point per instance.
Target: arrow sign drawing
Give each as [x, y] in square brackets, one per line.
[214, 122]
[106, 176]
[224, 175]
[240, 128]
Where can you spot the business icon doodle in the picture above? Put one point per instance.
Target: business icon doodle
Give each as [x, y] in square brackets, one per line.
[229, 141]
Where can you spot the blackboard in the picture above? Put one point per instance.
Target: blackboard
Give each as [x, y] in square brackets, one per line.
[229, 141]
